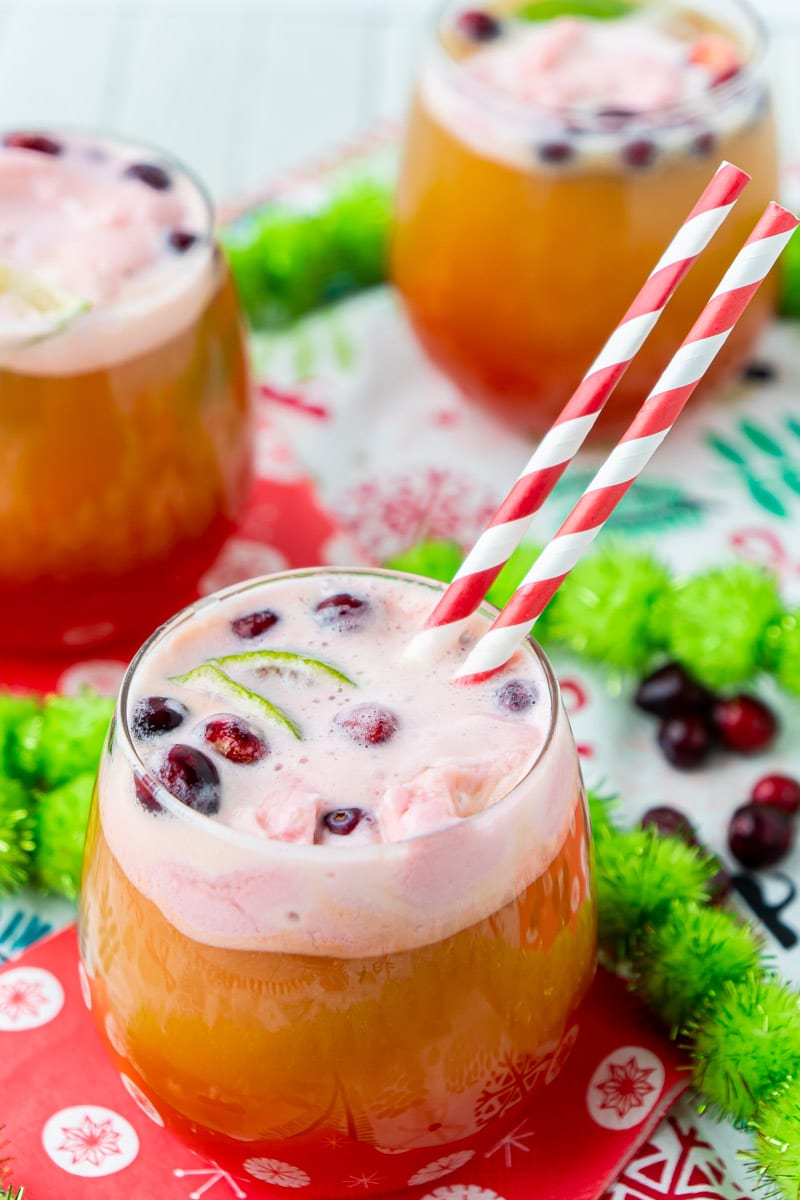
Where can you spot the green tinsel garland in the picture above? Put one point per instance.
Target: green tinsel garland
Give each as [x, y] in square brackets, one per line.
[699, 969]
[622, 608]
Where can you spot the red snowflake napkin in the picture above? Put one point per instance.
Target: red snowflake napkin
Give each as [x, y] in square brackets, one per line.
[80, 1130]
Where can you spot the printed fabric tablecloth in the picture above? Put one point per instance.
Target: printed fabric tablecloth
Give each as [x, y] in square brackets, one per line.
[362, 449]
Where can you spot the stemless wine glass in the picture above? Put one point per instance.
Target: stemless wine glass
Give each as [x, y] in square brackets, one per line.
[308, 1014]
[124, 434]
[523, 232]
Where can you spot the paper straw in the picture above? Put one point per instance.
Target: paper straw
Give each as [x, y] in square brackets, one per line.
[560, 445]
[640, 441]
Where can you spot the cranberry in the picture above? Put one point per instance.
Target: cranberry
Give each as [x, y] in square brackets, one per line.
[759, 372]
[157, 714]
[669, 822]
[342, 820]
[516, 696]
[192, 778]
[671, 692]
[615, 116]
[703, 144]
[745, 723]
[235, 740]
[255, 623]
[181, 240]
[367, 724]
[151, 174]
[145, 794]
[342, 613]
[479, 26]
[719, 886]
[685, 741]
[639, 153]
[33, 141]
[759, 835]
[555, 152]
[780, 791]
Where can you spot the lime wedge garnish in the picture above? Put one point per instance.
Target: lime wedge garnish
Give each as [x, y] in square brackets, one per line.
[37, 310]
[208, 675]
[600, 10]
[278, 659]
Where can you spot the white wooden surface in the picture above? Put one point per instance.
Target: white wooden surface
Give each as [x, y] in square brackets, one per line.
[243, 89]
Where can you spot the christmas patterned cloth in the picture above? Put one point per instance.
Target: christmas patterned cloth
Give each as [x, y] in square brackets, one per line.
[384, 452]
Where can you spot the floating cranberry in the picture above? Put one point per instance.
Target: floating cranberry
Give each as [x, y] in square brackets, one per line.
[342, 613]
[478, 26]
[703, 144]
[685, 741]
[145, 794]
[342, 820]
[671, 692]
[781, 791]
[155, 715]
[150, 174]
[516, 696]
[669, 822]
[367, 724]
[555, 152]
[255, 623]
[235, 740]
[639, 153]
[181, 240]
[745, 724]
[759, 835]
[33, 141]
[191, 777]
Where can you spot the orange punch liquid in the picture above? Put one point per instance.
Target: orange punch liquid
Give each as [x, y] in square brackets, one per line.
[523, 231]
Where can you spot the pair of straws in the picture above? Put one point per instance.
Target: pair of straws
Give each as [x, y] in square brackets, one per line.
[636, 446]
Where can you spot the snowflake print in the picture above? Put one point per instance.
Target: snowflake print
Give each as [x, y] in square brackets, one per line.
[29, 997]
[241, 559]
[509, 1084]
[144, 1102]
[440, 1167]
[676, 1162]
[515, 1140]
[561, 1055]
[90, 1141]
[86, 991]
[625, 1087]
[212, 1175]
[280, 1174]
[462, 1191]
[102, 674]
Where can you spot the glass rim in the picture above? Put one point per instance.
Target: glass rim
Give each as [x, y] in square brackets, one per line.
[324, 853]
[509, 108]
[159, 155]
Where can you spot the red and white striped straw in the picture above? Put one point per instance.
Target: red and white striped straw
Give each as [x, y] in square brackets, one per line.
[560, 445]
[640, 441]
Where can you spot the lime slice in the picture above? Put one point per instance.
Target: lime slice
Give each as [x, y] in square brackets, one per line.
[600, 10]
[31, 310]
[278, 660]
[209, 676]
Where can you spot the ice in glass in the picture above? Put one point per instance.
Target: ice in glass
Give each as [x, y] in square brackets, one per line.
[548, 161]
[124, 407]
[337, 914]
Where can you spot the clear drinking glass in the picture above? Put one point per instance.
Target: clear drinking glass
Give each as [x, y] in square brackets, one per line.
[125, 435]
[312, 1050]
[522, 233]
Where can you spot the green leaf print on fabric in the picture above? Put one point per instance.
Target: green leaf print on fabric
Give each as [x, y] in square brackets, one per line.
[764, 462]
[649, 507]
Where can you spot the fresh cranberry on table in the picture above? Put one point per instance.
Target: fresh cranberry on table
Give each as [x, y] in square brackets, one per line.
[367, 724]
[342, 613]
[671, 691]
[478, 26]
[254, 624]
[780, 791]
[181, 240]
[342, 820]
[33, 141]
[719, 886]
[235, 740]
[669, 822]
[759, 835]
[685, 741]
[745, 723]
[191, 777]
[150, 174]
[516, 696]
[155, 715]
